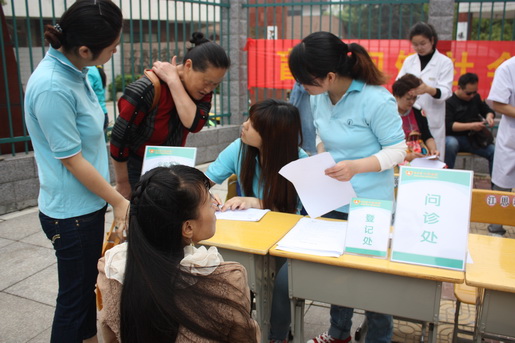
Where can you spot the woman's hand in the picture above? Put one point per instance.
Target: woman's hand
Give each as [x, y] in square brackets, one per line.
[410, 156]
[434, 152]
[424, 88]
[121, 212]
[167, 71]
[241, 203]
[217, 202]
[343, 170]
[490, 119]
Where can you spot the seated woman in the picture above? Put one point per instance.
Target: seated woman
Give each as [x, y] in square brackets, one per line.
[158, 287]
[414, 123]
[270, 139]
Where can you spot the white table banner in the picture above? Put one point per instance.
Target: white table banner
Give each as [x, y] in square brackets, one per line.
[432, 217]
[368, 228]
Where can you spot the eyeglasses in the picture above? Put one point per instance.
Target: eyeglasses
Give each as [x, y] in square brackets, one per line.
[471, 93]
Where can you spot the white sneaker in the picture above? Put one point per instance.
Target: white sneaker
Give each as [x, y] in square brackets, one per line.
[325, 338]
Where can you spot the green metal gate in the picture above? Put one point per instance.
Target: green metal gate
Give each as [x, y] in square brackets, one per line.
[368, 19]
[153, 30]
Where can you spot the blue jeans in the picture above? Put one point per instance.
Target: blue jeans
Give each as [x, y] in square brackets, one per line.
[78, 245]
[455, 144]
[280, 318]
[380, 326]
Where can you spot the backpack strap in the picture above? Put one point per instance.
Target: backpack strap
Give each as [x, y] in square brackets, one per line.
[149, 73]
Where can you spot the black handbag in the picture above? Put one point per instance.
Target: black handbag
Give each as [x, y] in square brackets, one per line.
[482, 138]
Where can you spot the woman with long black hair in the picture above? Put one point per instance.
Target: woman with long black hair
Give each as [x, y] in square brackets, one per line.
[158, 287]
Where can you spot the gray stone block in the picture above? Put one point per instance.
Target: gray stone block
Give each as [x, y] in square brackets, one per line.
[228, 134]
[21, 205]
[207, 136]
[213, 152]
[443, 26]
[441, 8]
[19, 167]
[26, 189]
[7, 195]
[201, 155]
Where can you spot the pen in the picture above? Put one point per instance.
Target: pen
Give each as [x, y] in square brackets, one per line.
[216, 201]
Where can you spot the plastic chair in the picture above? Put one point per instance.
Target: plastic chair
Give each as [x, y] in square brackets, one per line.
[481, 212]
[232, 187]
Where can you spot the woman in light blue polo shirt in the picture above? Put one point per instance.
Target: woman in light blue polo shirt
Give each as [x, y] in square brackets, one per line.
[65, 122]
[357, 122]
[269, 140]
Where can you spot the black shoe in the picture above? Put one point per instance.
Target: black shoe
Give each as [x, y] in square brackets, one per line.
[496, 228]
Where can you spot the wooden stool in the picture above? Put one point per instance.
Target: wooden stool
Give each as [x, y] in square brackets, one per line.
[467, 295]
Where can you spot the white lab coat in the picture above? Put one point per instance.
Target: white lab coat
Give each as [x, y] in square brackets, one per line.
[503, 91]
[438, 73]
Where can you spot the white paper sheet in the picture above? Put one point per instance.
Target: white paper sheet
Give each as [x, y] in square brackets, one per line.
[248, 215]
[315, 237]
[427, 162]
[318, 192]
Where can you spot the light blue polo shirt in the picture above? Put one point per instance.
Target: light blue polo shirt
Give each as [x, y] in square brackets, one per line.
[63, 118]
[359, 125]
[229, 162]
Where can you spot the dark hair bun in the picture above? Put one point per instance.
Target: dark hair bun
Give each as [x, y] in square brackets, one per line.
[198, 38]
[53, 37]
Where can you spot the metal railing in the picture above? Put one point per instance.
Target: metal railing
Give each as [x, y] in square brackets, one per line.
[153, 30]
[485, 20]
[158, 29]
[367, 19]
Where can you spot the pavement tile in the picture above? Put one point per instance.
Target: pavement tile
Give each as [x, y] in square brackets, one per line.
[21, 260]
[39, 238]
[43, 337]
[23, 319]
[20, 227]
[40, 287]
[4, 242]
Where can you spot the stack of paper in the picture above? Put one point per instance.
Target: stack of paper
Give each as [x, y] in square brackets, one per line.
[315, 237]
[248, 215]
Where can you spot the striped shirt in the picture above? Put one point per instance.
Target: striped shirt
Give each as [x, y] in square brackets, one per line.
[136, 127]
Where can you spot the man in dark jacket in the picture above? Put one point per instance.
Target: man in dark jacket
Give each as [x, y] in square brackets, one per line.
[466, 115]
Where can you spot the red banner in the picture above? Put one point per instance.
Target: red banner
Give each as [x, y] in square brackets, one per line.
[268, 59]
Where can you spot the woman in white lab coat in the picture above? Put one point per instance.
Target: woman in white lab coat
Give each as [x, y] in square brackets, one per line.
[502, 96]
[437, 72]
